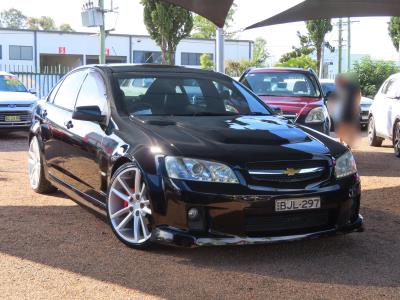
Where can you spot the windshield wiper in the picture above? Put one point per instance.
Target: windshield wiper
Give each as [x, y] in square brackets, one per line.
[214, 114]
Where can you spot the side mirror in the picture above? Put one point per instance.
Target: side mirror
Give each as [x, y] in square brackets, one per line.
[88, 113]
[277, 110]
[32, 91]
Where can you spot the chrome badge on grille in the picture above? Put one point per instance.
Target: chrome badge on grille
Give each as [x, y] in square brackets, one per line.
[291, 172]
[12, 106]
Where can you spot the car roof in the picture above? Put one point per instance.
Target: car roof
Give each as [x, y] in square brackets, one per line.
[327, 81]
[278, 69]
[127, 68]
[2, 73]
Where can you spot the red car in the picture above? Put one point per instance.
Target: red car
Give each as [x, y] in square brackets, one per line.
[296, 92]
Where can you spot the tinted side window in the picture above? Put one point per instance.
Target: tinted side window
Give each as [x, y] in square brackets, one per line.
[93, 92]
[69, 89]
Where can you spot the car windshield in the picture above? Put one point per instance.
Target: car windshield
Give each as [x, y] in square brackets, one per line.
[328, 87]
[10, 83]
[292, 84]
[185, 95]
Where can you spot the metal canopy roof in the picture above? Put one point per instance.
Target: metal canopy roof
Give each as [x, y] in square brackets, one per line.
[214, 10]
[326, 9]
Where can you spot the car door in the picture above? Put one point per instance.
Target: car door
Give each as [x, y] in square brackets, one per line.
[391, 99]
[58, 109]
[85, 149]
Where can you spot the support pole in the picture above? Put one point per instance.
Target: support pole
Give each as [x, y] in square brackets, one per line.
[340, 46]
[219, 50]
[321, 63]
[348, 44]
[102, 56]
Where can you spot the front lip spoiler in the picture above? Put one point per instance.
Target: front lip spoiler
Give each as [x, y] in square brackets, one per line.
[172, 236]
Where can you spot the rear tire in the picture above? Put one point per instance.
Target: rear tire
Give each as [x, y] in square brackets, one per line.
[373, 139]
[37, 178]
[396, 139]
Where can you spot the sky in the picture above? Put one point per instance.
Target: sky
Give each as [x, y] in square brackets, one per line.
[369, 35]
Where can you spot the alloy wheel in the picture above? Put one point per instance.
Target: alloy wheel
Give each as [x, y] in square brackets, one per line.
[129, 207]
[34, 164]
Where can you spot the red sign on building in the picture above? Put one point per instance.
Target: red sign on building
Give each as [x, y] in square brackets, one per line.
[62, 50]
[107, 51]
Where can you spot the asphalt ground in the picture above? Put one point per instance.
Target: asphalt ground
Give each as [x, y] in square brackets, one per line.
[51, 247]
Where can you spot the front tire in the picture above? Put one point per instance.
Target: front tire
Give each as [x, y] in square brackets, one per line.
[373, 139]
[128, 207]
[37, 178]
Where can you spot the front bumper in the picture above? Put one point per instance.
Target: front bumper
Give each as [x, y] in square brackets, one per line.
[244, 218]
[173, 236]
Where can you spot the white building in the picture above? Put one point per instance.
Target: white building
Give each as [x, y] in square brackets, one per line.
[41, 51]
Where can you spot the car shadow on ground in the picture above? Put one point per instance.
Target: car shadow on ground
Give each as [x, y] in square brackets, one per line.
[380, 163]
[70, 238]
[19, 141]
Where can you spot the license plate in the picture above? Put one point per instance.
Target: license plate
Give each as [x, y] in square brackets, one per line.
[297, 204]
[364, 118]
[12, 118]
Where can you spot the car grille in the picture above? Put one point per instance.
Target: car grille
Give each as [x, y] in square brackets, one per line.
[288, 223]
[25, 118]
[281, 173]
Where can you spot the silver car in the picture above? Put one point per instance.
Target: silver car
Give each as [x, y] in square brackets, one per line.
[16, 103]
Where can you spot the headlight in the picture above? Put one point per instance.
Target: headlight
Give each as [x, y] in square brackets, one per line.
[316, 115]
[345, 165]
[199, 170]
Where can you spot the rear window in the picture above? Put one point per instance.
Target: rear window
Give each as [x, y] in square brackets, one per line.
[282, 84]
[9, 83]
[184, 96]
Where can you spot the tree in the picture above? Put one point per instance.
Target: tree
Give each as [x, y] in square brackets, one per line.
[317, 30]
[206, 62]
[33, 23]
[47, 23]
[167, 24]
[260, 52]
[394, 31]
[66, 28]
[372, 74]
[303, 62]
[305, 49]
[12, 18]
[205, 29]
[236, 68]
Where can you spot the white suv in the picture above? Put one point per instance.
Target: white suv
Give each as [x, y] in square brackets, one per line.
[16, 103]
[384, 114]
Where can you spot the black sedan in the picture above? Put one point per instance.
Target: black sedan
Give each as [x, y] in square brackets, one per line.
[188, 157]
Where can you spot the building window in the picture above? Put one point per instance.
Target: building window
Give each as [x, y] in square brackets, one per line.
[146, 57]
[1, 52]
[21, 52]
[192, 59]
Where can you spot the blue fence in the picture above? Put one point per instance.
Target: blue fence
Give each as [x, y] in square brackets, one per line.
[41, 82]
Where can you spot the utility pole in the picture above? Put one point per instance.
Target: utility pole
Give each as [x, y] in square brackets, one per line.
[340, 47]
[348, 44]
[321, 63]
[102, 56]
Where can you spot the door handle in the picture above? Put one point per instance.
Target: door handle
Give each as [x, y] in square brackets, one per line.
[68, 124]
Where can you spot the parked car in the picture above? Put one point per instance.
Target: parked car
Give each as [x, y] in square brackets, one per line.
[384, 114]
[194, 158]
[329, 88]
[16, 103]
[296, 92]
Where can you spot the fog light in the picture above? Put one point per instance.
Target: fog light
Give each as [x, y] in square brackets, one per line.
[193, 213]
